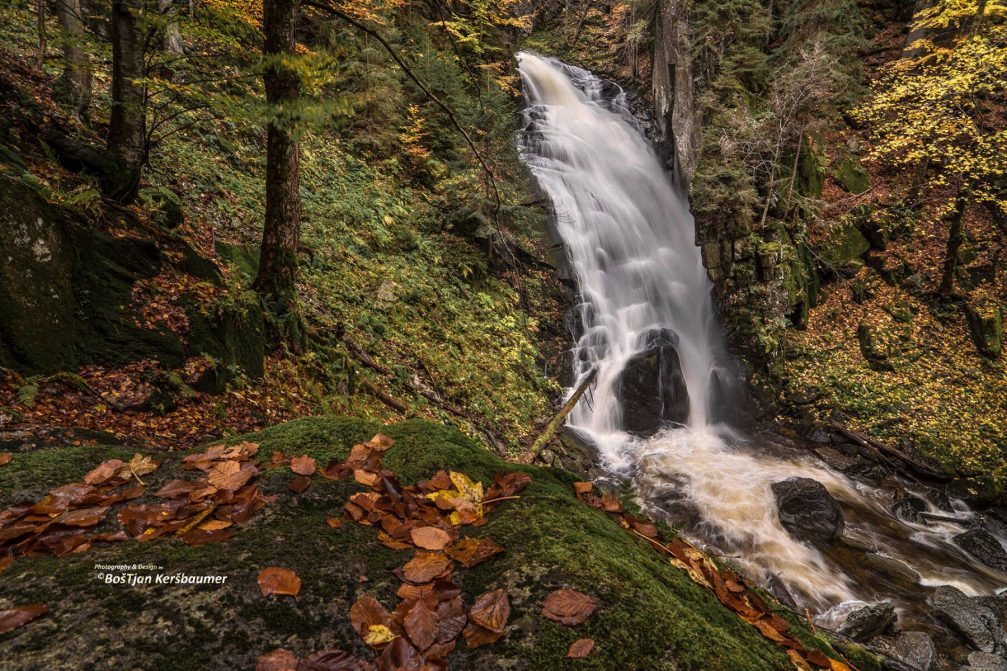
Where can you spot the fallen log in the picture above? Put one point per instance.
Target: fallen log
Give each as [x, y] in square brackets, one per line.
[886, 453]
[560, 417]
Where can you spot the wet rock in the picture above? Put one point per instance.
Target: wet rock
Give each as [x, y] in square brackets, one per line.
[982, 545]
[984, 661]
[779, 589]
[858, 539]
[807, 510]
[652, 386]
[916, 649]
[870, 621]
[893, 568]
[974, 622]
[909, 507]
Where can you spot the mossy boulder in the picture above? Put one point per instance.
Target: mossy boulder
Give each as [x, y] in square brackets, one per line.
[68, 298]
[986, 327]
[850, 174]
[652, 616]
[843, 249]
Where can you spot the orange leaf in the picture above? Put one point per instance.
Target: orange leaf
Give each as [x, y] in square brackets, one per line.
[303, 465]
[580, 648]
[278, 580]
[430, 538]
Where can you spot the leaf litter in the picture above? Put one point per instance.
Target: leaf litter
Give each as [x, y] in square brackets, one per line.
[427, 519]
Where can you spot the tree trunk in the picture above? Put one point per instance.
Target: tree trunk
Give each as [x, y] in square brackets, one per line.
[127, 123]
[74, 85]
[277, 276]
[172, 41]
[954, 243]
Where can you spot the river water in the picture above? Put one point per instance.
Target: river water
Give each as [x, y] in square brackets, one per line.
[631, 243]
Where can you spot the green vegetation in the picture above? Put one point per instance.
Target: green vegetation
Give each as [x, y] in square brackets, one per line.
[652, 615]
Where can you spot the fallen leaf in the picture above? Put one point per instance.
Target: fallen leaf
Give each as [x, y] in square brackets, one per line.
[430, 538]
[799, 662]
[280, 659]
[378, 635]
[476, 636]
[421, 625]
[300, 484]
[491, 610]
[580, 648]
[367, 612]
[278, 580]
[142, 465]
[303, 465]
[103, 472]
[334, 522]
[568, 606]
[471, 552]
[583, 487]
[332, 660]
[426, 566]
[231, 475]
[400, 655]
[5, 458]
[20, 616]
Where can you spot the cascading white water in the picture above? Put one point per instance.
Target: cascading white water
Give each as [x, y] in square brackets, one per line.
[631, 242]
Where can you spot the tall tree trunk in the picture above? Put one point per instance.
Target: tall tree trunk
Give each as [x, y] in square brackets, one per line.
[74, 85]
[127, 124]
[955, 239]
[281, 233]
[172, 41]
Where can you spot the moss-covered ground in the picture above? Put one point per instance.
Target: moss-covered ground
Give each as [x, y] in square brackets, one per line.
[652, 617]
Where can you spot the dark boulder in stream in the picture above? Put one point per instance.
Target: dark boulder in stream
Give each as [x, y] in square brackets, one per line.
[976, 623]
[982, 545]
[870, 621]
[807, 510]
[652, 386]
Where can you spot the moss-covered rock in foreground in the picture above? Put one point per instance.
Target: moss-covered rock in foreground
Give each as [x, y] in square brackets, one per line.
[652, 616]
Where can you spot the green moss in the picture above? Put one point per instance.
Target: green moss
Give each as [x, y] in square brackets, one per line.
[652, 616]
[850, 174]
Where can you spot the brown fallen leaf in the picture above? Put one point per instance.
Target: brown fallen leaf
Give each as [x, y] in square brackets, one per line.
[334, 522]
[278, 580]
[421, 625]
[426, 566]
[332, 660]
[6, 559]
[491, 610]
[303, 465]
[280, 659]
[580, 648]
[583, 487]
[476, 636]
[430, 538]
[470, 552]
[568, 606]
[366, 613]
[300, 484]
[5, 458]
[103, 472]
[20, 616]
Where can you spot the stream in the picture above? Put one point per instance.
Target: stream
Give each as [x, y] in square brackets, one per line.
[631, 243]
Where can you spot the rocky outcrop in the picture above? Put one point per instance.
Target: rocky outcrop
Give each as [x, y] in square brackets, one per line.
[984, 661]
[652, 387]
[870, 621]
[807, 510]
[916, 649]
[68, 297]
[985, 547]
[674, 108]
[976, 623]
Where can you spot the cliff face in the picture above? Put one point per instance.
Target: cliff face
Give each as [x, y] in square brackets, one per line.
[672, 85]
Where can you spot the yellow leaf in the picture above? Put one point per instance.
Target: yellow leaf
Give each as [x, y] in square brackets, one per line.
[378, 634]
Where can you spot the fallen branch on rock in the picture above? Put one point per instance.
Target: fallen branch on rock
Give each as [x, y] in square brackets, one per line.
[885, 454]
[560, 417]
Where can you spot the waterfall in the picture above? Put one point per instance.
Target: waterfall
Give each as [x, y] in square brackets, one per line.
[631, 242]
